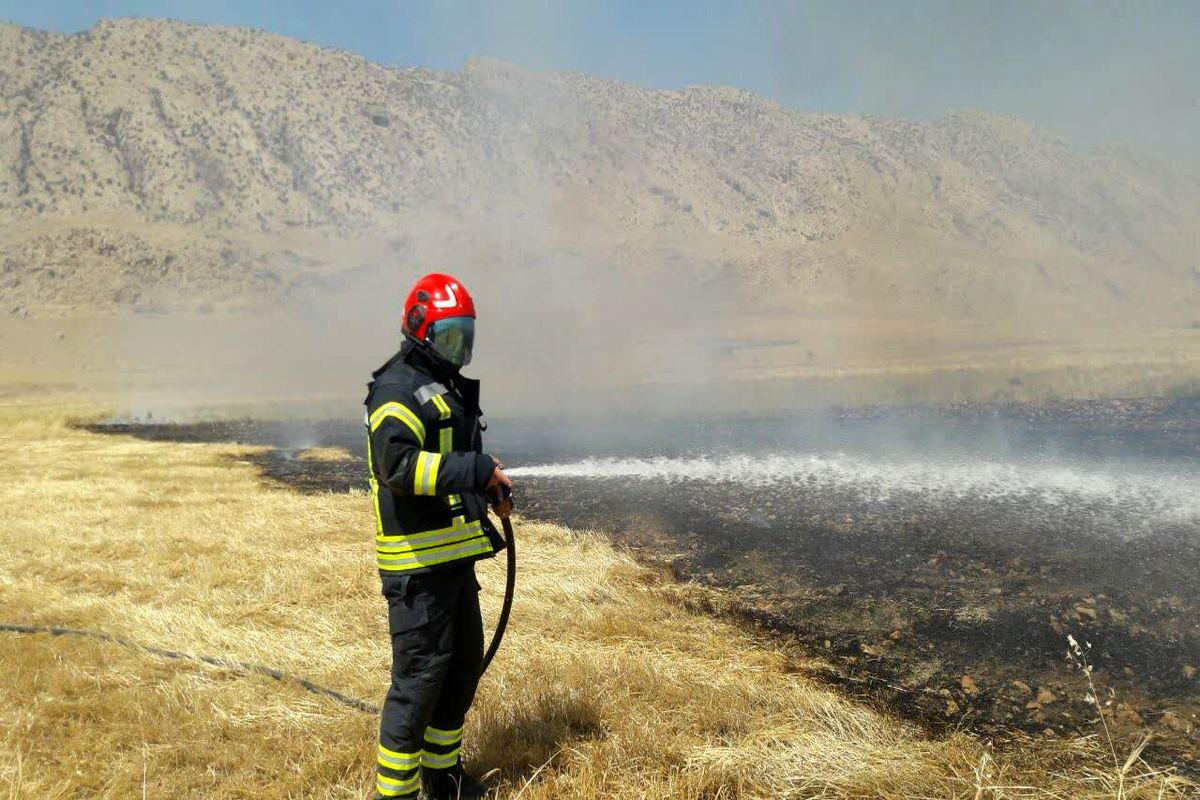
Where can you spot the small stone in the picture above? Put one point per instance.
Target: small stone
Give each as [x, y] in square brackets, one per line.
[969, 687]
[1045, 697]
[1022, 687]
[1057, 627]
[1033, 705]
[952, 707]
[897, 636]
[1189, 671]
[1086, 611]
[1127, 672]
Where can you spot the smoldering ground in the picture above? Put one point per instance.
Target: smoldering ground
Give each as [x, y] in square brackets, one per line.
[915, 548]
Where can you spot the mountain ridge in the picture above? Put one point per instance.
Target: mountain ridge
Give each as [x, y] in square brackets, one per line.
[233, 164]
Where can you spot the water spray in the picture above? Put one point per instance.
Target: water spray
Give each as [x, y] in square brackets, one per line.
[1154, 493]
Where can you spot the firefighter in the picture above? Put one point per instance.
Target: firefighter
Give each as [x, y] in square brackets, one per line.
[429, 478]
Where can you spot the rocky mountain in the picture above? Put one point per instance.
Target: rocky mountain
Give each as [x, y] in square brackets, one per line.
[153, 163]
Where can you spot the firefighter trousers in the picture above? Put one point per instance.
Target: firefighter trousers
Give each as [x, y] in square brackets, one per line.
[437, 653]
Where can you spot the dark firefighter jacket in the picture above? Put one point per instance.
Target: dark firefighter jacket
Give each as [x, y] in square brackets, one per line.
[427, 469]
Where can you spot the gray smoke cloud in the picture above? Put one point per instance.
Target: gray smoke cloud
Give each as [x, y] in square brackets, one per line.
[585, 324]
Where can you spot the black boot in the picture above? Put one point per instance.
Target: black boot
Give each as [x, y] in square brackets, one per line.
[451, 784]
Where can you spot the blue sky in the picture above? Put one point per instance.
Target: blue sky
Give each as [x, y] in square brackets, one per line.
[1093, 71]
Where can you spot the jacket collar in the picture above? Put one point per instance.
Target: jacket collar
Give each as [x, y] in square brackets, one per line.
[419, 359]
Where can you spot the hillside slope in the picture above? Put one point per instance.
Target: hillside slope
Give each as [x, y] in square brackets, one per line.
[159, 163]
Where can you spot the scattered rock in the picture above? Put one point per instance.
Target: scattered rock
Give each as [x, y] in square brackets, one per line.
[1086, 611]
[1046, 697]
[952, 707]
[1189, 671]
[969, 687]
[1022, 687]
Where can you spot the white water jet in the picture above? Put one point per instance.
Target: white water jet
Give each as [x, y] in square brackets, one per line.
[1162, 494]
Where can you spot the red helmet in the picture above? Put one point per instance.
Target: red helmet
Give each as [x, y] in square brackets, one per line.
[434, 299]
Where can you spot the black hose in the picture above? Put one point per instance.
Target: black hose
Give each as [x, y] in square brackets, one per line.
[510, 582]
[215, 661]
[275, 674]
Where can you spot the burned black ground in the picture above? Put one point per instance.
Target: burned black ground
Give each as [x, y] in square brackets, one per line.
[951, 610]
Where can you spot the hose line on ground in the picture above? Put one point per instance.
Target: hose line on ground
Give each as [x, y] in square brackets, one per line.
[249, 667]
[215, 661]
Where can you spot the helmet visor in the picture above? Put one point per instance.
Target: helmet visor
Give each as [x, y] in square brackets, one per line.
[453, 339]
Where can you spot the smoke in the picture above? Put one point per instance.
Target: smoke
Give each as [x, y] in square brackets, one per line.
[575, 314]
[572, 329]
[607, 284]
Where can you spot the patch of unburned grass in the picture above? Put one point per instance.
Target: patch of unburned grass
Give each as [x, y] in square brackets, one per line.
[606, 687]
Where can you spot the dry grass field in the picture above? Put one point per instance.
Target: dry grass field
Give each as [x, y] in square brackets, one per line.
[609, 685]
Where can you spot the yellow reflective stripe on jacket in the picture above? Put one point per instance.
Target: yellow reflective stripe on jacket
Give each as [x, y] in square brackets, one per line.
[401, 544]
[446, 445]
[442, 407]
[474, 546]
[440, 760]
[374, 487]
[425, 475]
[401, 412]
[437, 736]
